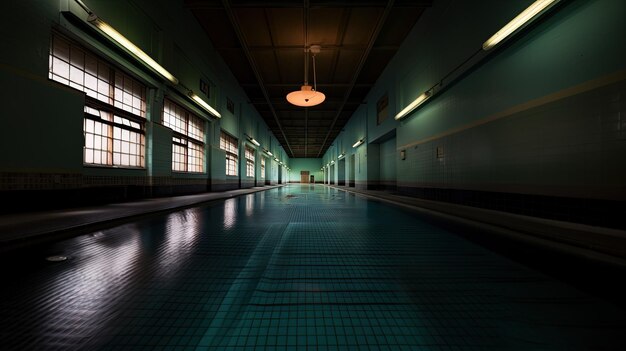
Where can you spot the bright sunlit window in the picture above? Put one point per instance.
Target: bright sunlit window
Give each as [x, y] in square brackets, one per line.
[115, 108]
[249, 161]
[229, 144]
[262, 167]
[188, 139]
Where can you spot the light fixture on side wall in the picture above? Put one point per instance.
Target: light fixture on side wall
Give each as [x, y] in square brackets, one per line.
[358, 143]
[252, 140]
[535, 9]
[413, 105]
[307, 95]
[204, 104]
[268, 152]
[341, 156]
[122, 41]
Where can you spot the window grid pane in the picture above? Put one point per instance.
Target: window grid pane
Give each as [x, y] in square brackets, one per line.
[262, 167]
[229, 144]
[98, 143]
[73, 66]
[110, 140]
[108, 144]
[195, 159]
[179, 158]
[249, 161]
[188, 148]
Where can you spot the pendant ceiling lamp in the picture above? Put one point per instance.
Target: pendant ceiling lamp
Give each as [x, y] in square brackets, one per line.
[307, 95]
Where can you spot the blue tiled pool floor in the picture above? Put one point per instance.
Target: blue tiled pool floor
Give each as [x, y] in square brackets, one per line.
[293, 268]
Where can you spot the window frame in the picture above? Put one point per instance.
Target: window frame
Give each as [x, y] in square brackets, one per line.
[117, 94]
[232, 153]
[184, 138]
[250, 161]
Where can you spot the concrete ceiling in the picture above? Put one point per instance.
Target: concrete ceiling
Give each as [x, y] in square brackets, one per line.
[263, 44]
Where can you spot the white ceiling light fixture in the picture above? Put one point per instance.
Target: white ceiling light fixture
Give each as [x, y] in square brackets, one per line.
[204, 104]
[412, 106]
[307, 95]
[535, 9]
[252, 140]
[132, 48]
[122, 41]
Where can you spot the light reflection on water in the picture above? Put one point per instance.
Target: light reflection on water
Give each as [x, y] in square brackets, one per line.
[249, 201]
[181, 234]
[327, 248]
[89, 284]
[230, 213]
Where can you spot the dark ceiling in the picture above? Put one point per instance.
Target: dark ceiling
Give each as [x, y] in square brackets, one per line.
[263, 44]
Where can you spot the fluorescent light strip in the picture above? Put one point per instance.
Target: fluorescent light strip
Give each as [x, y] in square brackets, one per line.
[128, 45]
[341, 156]
[204, 105]
[533, 10]
[358, 143]
[412, 106]
[253, 141]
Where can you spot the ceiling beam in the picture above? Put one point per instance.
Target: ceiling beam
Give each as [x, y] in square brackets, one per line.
[300, 48]
[215, 5]
[373, 37]
[255, 69]
[297, 84]
[341, 33]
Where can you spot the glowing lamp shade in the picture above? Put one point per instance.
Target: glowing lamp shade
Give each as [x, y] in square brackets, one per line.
[306, 97]
[132, 48]
[533, 10]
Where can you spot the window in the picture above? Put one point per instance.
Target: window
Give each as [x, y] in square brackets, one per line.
[262, 167]
[229, 144]
[381, 109]
[188, 139]
[249, 161]
[230, 106]
[115, 108]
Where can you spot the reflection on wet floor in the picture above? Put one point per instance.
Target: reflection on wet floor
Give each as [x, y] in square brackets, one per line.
[289, 268]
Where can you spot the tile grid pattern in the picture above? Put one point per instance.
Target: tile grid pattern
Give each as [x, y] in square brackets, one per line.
[296, 268]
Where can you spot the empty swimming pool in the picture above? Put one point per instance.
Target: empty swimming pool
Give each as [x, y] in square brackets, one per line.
[292, 268]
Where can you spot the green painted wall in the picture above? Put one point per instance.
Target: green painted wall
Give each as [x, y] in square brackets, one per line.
[169, 33]
[388, 156]
[34, 123]
[539, 115]
[313, 165]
